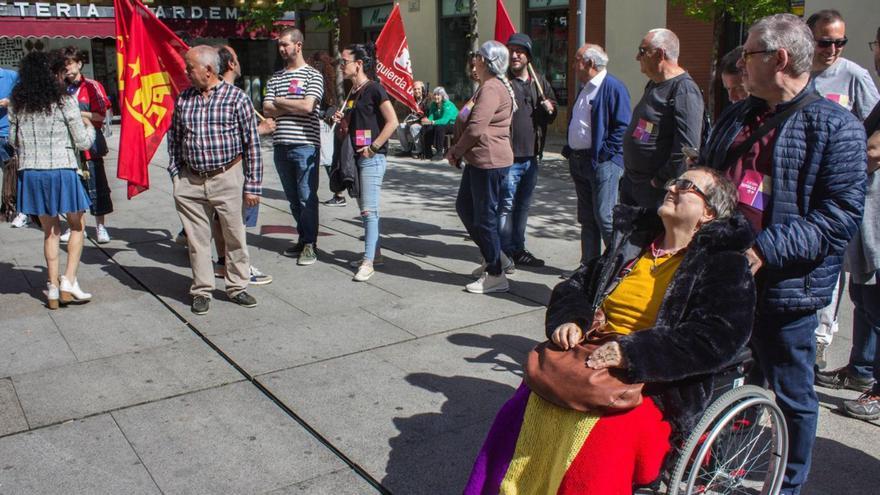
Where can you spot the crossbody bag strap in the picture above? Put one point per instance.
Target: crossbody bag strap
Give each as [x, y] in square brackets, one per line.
[774, 122]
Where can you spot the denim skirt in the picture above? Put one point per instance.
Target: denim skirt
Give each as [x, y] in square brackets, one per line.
[51, 192]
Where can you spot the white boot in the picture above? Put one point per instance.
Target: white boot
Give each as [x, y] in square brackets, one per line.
[52, 295]
[71, 292]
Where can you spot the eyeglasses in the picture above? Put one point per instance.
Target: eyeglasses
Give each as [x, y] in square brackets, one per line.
[872, 45]
[747, 55]
[345, 61]
[839, 43]
[684, 186]
[643, 50]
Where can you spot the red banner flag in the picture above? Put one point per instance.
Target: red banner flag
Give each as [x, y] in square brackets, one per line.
[392, 60]
[152, 72]
[503, 25]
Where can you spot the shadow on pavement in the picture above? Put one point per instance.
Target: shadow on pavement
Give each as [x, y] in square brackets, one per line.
[840, 469]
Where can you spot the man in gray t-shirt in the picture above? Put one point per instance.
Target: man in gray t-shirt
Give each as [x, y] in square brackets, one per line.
[669, 116]
[838, 79]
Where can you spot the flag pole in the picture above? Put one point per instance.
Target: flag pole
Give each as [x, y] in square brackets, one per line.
[258, 115]
[537, 81]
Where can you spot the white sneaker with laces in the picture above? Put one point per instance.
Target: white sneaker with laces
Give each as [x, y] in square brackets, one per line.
[488, 283]
[20, 221]
[65, 236]
[364, 272]
[103, 235]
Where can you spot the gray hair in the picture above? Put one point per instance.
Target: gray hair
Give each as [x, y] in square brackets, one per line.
[596, 56]
[667, 41]
[497, 57]
[207, 56]
[790, 33]
[440, 90]
[721, 196]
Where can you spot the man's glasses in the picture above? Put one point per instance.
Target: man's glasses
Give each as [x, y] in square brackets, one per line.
[644, 50]
[747, 55]
[684, 186]
[872, 45]
[839, 43]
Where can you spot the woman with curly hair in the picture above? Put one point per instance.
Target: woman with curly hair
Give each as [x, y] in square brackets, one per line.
[47, 129]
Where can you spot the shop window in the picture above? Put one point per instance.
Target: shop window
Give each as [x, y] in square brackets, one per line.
[373, 20]
[453, 48]
[549, 32]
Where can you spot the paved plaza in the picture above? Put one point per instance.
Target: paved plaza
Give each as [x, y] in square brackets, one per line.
[328, 386]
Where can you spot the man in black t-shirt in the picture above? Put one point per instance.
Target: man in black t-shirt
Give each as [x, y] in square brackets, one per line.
[668, 117]
[536, 108]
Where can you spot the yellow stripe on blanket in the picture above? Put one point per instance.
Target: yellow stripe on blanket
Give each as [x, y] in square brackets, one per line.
[540, 459]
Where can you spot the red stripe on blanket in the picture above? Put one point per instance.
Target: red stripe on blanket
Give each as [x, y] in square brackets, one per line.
[620, 451]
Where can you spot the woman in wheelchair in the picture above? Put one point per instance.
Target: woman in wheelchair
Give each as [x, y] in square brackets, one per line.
[675, 284]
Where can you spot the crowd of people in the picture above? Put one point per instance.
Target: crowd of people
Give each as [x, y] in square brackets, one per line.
[715, 236]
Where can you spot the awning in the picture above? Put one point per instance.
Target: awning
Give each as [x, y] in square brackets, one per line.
[17, 27]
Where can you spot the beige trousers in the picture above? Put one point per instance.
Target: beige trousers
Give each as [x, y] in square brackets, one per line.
[196, 199]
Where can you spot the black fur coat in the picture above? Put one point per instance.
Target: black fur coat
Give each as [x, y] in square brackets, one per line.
[704, 321]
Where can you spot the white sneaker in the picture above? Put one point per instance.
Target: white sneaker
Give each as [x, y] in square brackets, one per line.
[65, 236]
[377, 261]
[20, 221]
[364, 273]
[71, 292]
[507, 266]
[488, 283]
[103, 235]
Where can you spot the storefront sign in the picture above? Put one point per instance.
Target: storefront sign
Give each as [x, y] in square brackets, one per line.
[375, 16]
[92, 11]
[543, 4]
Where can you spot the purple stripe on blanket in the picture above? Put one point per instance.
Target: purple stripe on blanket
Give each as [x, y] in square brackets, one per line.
[494, 458]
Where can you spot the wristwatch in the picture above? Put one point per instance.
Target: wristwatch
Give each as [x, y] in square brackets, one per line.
[375, 149]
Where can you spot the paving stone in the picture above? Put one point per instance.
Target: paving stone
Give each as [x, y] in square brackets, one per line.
[31, 343]
[86, 456]
[81, 389]
[101, 329]
[300, 341]
[344, 482]
[229, 439]
[11, 417]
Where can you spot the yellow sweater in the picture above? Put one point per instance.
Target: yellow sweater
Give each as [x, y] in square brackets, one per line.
[634, 303]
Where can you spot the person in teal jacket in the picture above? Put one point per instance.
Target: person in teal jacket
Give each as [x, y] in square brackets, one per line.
[437, 123]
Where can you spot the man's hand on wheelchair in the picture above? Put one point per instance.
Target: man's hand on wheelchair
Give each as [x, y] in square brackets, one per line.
[607, 356]
[567, 335]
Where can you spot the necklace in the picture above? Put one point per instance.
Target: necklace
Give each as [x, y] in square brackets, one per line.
[657, 253]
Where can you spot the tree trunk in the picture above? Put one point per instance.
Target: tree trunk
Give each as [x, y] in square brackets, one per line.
[717, 34]
[335, 39]
[474, 35]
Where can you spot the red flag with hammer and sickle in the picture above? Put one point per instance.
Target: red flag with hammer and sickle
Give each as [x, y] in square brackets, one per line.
[152, 72]
[392, 60]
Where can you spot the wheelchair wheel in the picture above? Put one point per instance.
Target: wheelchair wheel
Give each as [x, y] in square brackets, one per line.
[740, 446]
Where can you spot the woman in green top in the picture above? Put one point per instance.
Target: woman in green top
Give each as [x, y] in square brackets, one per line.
[437, 123]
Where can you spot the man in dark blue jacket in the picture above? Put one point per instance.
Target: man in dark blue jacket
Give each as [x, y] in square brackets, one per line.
[597, 121]
[802, 186]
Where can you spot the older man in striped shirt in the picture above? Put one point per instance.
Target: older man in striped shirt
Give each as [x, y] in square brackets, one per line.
[214, 153]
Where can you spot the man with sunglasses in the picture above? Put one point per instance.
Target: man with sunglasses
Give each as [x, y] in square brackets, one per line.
[848, 84]
[798, 161]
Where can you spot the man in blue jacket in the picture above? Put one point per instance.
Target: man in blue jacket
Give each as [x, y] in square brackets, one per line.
[801, 182]
[597, 122]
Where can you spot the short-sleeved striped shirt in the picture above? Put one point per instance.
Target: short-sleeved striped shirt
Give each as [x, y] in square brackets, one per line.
[297, 84]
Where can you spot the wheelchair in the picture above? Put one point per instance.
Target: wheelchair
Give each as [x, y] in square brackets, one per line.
[739, 446]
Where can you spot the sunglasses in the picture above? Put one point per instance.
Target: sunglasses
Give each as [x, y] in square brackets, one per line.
[644, 50]
[840, 43]
[872, 45]
[747, 55]
[685, 186]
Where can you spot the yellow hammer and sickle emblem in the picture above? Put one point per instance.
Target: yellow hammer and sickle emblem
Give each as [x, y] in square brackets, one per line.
[153, 90]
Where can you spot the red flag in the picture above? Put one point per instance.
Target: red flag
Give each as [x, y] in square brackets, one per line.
[152, 72]
[503, 25]
[392, 60]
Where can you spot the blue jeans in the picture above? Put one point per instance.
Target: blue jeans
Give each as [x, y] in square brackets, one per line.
[786, 349]
[641, 194]
[864, 360]
[372, 170]
[297, 166]
[597, 190]
[516, 198]
[477, 205]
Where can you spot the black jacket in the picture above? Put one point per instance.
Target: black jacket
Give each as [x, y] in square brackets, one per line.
[528, 128]
[705, 318]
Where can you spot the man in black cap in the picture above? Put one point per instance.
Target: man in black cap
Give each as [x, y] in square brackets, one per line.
[536, 108]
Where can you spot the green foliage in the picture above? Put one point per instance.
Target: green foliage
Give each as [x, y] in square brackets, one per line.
[744, 11]
[265, 13]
